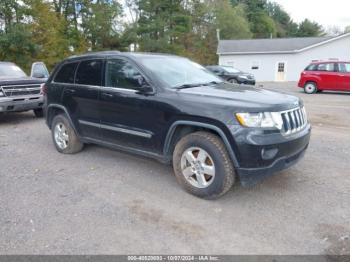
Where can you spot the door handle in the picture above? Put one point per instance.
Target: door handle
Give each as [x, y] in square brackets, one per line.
[69, 91]
[107, 95]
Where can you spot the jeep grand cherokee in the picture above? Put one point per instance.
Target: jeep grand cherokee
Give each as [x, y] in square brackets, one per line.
[172, 109]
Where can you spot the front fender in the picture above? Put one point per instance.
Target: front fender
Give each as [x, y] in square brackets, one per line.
[218, 130]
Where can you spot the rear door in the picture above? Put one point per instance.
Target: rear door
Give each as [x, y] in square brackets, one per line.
[329, 78]
[344, 76]
[82, 98]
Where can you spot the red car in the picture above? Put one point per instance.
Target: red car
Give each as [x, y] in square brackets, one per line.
[330, 75]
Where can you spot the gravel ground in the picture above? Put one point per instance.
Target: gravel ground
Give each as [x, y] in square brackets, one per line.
[106, 202]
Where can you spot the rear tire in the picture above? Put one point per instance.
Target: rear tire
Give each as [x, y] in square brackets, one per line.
[64, 137]
[38, 112]
[203, 166]
[310, 88]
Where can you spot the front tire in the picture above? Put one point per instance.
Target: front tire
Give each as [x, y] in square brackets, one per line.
[64, 137]
[233, 81]
[310, 88]
[203, 166]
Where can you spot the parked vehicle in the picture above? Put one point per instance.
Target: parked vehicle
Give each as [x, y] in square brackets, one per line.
[18, 92]
[232, 75]
[329, 75]
[174, 110]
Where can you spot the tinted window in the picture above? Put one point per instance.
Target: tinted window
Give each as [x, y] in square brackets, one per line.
[329, 67]
[122, 74]
[89, 73]
[311, 67]
[66, 73]
[231, 69]
[344, 67]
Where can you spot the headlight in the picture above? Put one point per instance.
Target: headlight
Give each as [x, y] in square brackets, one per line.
[243, 76]
[267, 120]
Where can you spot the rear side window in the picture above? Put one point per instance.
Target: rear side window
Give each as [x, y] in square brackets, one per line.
[311, 67]
[66, 73]
[328, 67]
[89, 73]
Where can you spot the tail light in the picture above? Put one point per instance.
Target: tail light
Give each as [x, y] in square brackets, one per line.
[43, 89]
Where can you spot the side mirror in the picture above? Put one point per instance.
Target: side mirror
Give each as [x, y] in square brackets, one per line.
[144, 87]
[38, 75]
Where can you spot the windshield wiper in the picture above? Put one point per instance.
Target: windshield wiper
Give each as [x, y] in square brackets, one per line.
[212, 83]
[184, 86]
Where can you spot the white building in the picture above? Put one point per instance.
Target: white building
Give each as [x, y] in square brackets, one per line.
[281, 59]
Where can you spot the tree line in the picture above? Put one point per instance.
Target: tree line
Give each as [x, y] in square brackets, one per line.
[50, 30]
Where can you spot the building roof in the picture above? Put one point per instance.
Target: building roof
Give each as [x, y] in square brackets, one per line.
[275, 45]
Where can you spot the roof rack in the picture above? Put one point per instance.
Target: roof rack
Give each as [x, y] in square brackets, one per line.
[95, 53]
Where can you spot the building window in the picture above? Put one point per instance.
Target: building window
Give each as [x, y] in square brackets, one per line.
[281, 67]
[255, 65]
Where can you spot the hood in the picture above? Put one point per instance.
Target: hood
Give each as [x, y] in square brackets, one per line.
[240, 96]
[21, 81]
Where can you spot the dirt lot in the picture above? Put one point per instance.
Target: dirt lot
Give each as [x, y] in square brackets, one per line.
[103, 201]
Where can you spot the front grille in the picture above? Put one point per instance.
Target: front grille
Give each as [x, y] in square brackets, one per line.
[294, 120]
[21, 90]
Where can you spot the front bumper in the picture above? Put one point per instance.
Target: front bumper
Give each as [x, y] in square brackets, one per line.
[262, 155]
[21, 103]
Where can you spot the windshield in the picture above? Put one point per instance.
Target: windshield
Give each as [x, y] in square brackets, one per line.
[9, 70]
[231, 69]
[176, 71]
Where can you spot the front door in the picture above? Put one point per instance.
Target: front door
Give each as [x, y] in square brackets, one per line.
[81, 98]
[344, 76]
[128, 118]
[281, 71]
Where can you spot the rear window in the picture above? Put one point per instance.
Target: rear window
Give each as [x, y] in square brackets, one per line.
[89, 73]
[66, 73]
[311, 67]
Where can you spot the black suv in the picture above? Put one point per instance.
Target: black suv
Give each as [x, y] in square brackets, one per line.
[232, 75]
[172, 109]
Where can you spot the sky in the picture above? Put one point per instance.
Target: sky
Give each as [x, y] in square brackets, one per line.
[326, 13]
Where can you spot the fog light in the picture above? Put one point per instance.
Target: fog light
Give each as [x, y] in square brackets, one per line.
[268, 154]
[2, 109]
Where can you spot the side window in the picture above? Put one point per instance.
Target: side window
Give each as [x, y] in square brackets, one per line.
[311, 67]
[217, 70]
[122, 74]
[344, 67]
[328, 67]
[89, 73]
[66, 73]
